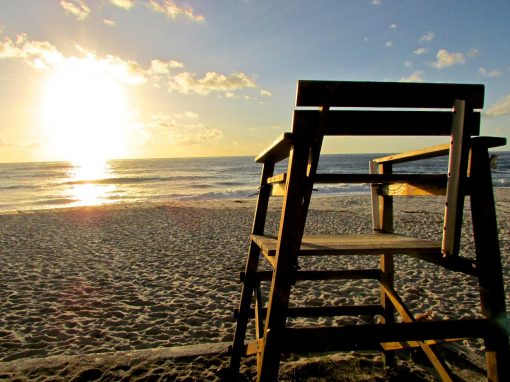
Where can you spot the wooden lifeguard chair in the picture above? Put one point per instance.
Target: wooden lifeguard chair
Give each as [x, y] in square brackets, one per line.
[374, 109]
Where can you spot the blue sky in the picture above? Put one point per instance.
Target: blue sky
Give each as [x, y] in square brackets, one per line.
[162, 78]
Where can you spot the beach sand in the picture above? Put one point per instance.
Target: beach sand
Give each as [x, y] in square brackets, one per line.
[115, 292]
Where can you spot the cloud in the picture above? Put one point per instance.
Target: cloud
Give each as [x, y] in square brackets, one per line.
[124, 4]
[445, 59]
[38, 54]
[389, 44]
[393, 26]
[77, 8]
[173, 10]
[429, 36]
[501, 107]
[489, 73]
[168, 74]
[473, 53]
[187, 114]
[163, 126]
[80, 8]
[186, 83]
[416, 76]
[42, 55]
[408, 64]
[420, 51]
[164, 67]
[376, 2]
[109, 22]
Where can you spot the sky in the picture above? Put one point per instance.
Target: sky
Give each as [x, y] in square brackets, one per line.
[111, 79]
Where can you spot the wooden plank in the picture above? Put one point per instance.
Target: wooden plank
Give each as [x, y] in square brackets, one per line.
[278, 189]
[277, 151]
[457, 172]
[406, 189]
[369, 336]
[488, 142]
[382, 221]
[279, 178]
[425, 179]
[369, 244]
[382, 123]
[375, 198]
[330, 311]
[253, 347]
[386, 94]
[488, 255]
[344, 274]
[252, 262]
[292, 223]
[392, 346]
[425, 153]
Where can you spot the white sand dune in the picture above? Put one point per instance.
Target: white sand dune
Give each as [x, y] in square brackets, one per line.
[124, 278]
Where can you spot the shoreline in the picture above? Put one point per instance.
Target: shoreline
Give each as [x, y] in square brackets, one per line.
[131, 277]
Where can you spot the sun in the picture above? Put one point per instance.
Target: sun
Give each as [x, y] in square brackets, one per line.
[84, 112]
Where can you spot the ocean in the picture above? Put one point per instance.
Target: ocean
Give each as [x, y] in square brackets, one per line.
[30, 186]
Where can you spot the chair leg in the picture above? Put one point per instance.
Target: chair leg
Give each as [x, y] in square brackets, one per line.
[244, 309]
[490, 276]
[275, 323]
[387, 272]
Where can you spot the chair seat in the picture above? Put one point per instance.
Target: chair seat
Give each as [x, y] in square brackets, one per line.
[368, 244]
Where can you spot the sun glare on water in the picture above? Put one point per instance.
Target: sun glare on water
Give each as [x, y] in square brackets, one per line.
[84, 112]
[85, 117]
[87, 188]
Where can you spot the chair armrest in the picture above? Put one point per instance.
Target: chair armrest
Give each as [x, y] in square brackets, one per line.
[489, 142]
[409, 156]
[437, 151]
[277, 151]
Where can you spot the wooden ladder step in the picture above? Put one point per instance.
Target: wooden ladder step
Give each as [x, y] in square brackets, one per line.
[343, 274]
[368, 244]
[323, 339]
[329, 311]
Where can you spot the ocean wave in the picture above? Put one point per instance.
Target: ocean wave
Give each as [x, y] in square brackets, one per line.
[16, 187]
[138, 179]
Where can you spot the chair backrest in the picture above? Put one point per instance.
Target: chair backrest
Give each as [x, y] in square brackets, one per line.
[398, 109]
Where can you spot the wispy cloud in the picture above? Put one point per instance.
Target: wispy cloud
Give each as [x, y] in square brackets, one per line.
[393, 26]
[416, 76]
[170, 8]
[429, 36]
[186, 83]
[180, 131]
[420, 51]
[376, 2]
[159, 67]
[446, 59]
[389, 44]
[489, 72]
[77, 8]
[124, 4]
[109, 22]
[501, 107]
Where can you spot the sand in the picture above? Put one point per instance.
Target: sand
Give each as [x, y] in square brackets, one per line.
[113, 292]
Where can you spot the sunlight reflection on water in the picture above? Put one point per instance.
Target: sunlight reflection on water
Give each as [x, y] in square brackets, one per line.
[86, 191]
